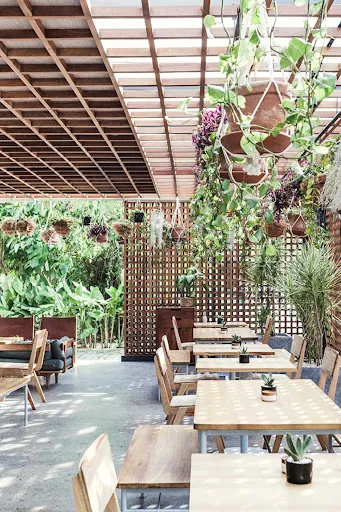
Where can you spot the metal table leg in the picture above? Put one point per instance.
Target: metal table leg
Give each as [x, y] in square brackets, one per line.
[330, 444]
[202, 441]
[244, 443]
[25, 406]
[124, 500]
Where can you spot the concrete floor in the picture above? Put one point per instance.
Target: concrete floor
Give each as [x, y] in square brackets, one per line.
[37, 463]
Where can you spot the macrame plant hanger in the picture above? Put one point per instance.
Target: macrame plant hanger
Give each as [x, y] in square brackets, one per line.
[178, 228]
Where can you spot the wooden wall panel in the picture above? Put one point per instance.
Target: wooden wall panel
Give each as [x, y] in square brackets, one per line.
[150, 278]
[334, 227]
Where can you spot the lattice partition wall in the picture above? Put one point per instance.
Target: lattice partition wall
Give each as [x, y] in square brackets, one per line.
[334, 227]
[150, 278]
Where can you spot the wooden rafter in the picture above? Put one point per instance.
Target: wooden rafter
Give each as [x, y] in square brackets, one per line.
[150, 36]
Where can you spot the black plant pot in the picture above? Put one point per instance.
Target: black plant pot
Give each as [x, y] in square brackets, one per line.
[219, 320]
[138, 217]
[87, 221]
[223, 329]
[244, 358]
[299, 472]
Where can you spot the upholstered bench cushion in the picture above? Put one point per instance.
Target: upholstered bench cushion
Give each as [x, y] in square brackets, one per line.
[57, 351]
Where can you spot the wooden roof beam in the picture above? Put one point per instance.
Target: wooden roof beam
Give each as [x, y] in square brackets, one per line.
[149, 30]
[27, 81]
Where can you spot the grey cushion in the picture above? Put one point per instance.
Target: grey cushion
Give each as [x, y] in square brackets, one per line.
[55, 365]
[57, 351]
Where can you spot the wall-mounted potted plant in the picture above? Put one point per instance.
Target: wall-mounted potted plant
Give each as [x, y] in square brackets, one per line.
[299, 467]
[99, 233]
[123, 228]
[8, 226]
[25, 227]
[63, 226]
[269, 391]
[186, 286]
[297, 224]
[50, 236]
[236, 341]
[244, 357]
[137, 216]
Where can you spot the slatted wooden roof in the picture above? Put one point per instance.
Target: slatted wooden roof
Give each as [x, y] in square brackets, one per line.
[160, 55]
[63, 128]
[89, 91]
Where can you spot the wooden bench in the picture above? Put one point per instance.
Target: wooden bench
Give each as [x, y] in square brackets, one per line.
[158, 460]
[10, 384]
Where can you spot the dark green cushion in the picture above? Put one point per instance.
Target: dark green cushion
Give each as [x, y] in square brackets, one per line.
[57, 350]
[55, 365]
[14, 361]
[21, 354]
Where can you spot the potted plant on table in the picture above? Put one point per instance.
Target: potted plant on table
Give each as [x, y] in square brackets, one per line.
[186, 286]
[244, 357]
[299, 467]
[236, 341]
[269, 391]
[223, 326]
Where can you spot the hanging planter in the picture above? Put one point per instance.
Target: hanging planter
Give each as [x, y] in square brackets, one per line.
[238, 173]
[87, 221]
[178, 230]
[138, 216]
[263, 104]
[276, 228]
[297, 224]
[99, 233]
[63, 226]
[50, 236]
[122, 228]
[8, 226]
[25, 227]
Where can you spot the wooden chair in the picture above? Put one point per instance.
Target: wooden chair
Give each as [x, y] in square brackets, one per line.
[17, 326]
[58, 327]
[31, 368]
[268, 329]
[95, 483]
[182, 383]
[181, 346]
[330, 367]
[179, 406]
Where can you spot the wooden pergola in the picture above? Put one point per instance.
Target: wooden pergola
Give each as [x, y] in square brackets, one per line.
[89, 93]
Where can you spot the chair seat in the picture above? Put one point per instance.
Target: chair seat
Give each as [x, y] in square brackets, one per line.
[180, 356]
[183, 401]
[188, 379]
[14, 366]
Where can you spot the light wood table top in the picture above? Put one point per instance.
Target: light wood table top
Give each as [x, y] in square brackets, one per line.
[219, 349]
[7, 340]
[215, 334]
[251, 483]
[256, 364]
[237, 405]
[204, 325]
[159, 456]
[8, 385]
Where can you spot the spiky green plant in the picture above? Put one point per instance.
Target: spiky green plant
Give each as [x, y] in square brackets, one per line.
[268, 380]
[243, 350]
[312, 285]
[299, 451]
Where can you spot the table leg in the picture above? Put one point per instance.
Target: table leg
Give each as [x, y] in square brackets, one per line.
[124, 500]
[330, 444]
[244, 443]
[25, 406]
[202, 441]
[232, 375]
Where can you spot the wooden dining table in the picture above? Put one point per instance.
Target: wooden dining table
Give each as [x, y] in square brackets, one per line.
[256, 364]
[235, 407]
[222, 349]
[233, 323]
[236, 483]
[215, 335]
[8, 340]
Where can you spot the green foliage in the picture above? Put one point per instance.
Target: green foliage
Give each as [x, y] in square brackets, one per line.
[186, 282]
[312, 284]
[297, 452]
[243, 349]
[268, 380]
[73, 277]
[236, 338]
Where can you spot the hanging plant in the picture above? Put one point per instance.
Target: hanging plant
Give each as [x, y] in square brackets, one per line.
[137, 216]
[122, 228]
[63, 226]
[331, 193]
[87, 220]
[251, 172]
[25, 227]
[297, 224]
[156, 228]
[99, 233]
[50, 236]
[8, 226]
[178, 231]
[276, 228]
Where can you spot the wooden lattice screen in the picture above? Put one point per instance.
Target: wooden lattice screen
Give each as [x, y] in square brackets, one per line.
[150, 281]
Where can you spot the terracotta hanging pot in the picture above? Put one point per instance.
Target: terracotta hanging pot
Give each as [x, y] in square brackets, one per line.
[50, 236]
[99, 233]
[178, 230]
[231, 142]
[25, 227]
[178, 233]
[122, 228]
[297, 225]
[62, 227]
[238, 174]
[8, 226]
[275, 229]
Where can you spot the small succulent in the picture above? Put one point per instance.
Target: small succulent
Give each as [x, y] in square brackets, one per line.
[236, 338]
[298, 452]
[268, 380]
[243, 350]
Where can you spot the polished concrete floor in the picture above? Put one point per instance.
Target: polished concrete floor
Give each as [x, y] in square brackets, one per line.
[37, 462]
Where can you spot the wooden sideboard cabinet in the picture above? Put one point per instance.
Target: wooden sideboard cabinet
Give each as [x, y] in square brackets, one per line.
[185, 320]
